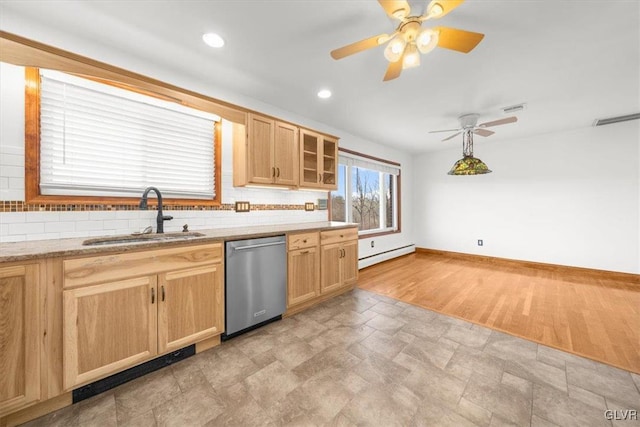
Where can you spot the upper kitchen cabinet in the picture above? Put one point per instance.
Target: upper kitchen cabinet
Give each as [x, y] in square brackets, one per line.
[268, 155]
[318, 160]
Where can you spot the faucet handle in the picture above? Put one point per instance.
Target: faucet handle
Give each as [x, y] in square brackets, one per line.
[185, 228]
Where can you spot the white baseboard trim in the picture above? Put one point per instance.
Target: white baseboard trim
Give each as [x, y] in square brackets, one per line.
[385, 256]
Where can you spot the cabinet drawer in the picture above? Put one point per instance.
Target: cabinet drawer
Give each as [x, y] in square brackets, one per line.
[85, 271]
[337, 236]
[302, 240]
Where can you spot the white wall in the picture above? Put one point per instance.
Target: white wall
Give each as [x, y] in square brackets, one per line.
[568, 198]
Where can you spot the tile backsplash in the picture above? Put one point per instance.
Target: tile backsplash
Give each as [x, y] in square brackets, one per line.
[21, 226]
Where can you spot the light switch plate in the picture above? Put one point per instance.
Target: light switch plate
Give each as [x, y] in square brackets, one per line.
[309, 206]
[243, 206]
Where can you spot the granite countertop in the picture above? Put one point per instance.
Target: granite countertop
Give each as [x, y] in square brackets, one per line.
[36, 249]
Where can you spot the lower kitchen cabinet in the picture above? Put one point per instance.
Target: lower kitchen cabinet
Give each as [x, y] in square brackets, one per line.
[191, 306]
[107, 328]
[303, 276]
[320, 265]
[339, 259]
[20, 350]
[111, 326]
[339, 265]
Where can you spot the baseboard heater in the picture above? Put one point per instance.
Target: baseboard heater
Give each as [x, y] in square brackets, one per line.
[385, 255]
[120, 378]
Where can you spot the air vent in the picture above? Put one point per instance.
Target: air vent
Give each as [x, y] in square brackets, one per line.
[602, 122]
[514, 108]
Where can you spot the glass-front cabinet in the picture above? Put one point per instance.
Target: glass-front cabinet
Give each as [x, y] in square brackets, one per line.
[318, 160]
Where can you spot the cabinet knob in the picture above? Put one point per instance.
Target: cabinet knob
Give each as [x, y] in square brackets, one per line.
[304, 241]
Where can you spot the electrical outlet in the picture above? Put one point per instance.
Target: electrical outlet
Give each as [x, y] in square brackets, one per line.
[243, 206]
[373, 243]
[309, 206]
[480, 242]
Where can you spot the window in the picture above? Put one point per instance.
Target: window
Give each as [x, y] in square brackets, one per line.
[367, 193]
[99, 140]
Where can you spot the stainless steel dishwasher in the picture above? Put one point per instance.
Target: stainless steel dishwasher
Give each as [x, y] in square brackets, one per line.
[255, 283]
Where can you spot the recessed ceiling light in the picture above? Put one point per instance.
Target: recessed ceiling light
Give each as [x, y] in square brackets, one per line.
[324, 94]
[213, 40]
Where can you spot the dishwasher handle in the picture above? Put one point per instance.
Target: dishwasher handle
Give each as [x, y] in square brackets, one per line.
[260, 245]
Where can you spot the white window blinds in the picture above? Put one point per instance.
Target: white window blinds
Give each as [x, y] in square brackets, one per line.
[100, 140]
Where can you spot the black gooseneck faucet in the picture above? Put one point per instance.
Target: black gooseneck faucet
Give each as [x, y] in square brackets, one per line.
[161, 218]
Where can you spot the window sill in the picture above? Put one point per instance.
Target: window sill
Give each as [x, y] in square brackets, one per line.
[376, 233]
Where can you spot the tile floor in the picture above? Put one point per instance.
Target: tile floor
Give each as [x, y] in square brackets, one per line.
[364, 359]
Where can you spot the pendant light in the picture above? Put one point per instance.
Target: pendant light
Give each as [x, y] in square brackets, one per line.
[468, 165]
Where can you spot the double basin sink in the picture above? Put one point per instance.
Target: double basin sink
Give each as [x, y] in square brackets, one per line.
[134, 238]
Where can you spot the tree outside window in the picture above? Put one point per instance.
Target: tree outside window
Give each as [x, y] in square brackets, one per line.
[366, 195]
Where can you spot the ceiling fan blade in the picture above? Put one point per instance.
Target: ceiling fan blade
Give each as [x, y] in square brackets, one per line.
[460, 40]
[452, 136]
[398, 9]
[444, 130]
[504, 121]
[393, 70]
[483, 132]
[356, 47]
[446, 5]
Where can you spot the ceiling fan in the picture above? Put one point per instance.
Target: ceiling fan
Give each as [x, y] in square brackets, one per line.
[409, 39]
[468, 122]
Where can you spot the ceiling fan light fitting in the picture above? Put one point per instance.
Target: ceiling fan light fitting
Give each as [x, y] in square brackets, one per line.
[427, 40]
[411, 57]
[469, 165]
[394, 50]
[434, 10]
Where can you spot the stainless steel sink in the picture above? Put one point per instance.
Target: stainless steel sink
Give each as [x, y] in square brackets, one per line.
[134, 238]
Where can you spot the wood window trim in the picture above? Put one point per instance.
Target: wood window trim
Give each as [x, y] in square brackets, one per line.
[32, 158]
[399, 194]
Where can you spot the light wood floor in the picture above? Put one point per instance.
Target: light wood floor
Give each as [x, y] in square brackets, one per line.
[591, 316]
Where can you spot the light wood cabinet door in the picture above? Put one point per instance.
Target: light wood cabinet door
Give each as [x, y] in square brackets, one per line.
[190, 307]
[331, 271]
[260, 155]
[310, 155]
[349, 262]
[285, 154]
[19, 337]
[329, 163]
[107, 328]
[303, 276]
[318, 160]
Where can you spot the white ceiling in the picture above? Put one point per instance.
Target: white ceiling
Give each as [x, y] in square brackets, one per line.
[570, 61]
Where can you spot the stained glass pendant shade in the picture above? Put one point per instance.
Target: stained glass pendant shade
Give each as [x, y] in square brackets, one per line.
[468, 165]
